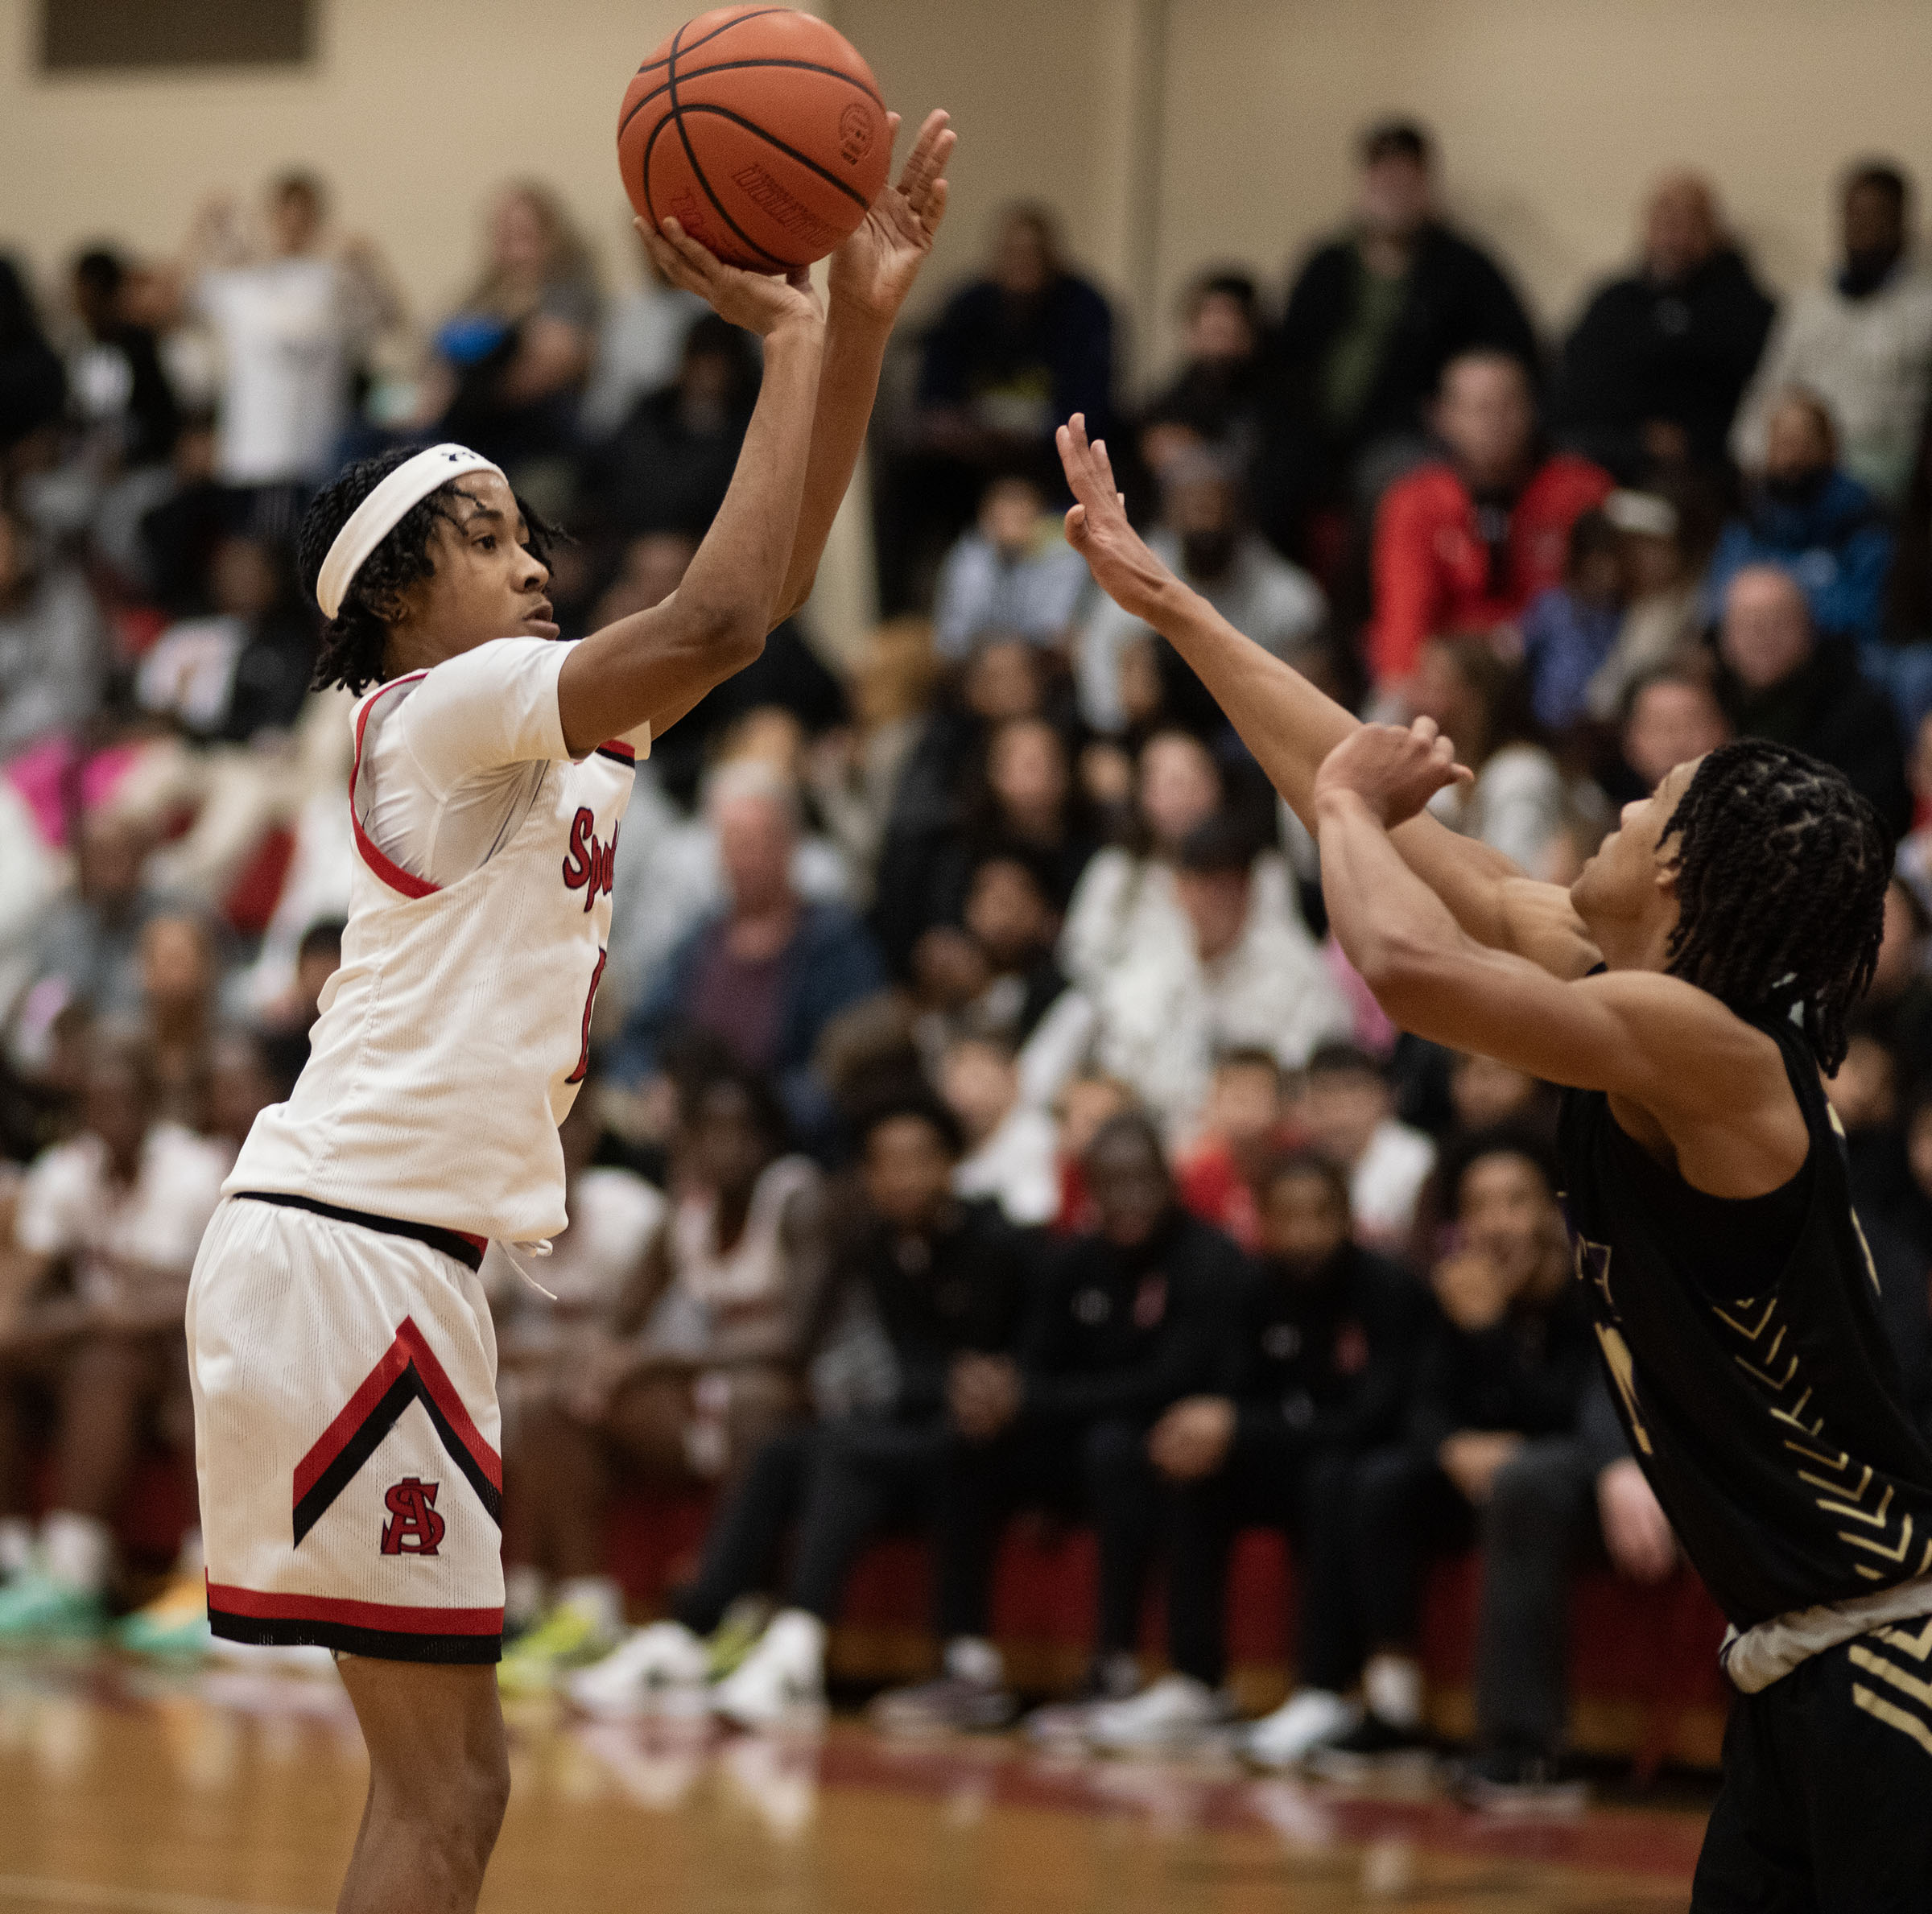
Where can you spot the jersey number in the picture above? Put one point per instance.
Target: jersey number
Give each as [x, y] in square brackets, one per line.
[590, 1004]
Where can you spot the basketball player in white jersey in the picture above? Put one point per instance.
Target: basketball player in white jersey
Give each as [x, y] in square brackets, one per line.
[347, 1431]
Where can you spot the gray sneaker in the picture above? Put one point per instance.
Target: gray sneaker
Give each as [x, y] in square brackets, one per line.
[952, 1705]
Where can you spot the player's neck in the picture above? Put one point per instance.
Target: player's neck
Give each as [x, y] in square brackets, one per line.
[1640, 944]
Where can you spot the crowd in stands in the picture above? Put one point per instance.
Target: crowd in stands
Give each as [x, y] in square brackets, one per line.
[981, 1119]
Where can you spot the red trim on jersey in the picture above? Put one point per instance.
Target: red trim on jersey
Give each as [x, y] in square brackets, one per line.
[391, 872]
[393, 1617]
[408, 1347]
[616, 748]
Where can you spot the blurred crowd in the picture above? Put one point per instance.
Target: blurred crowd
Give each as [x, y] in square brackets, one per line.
[981, 1119]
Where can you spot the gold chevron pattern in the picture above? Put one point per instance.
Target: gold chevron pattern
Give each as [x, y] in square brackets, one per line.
[1896, 1696]
[1843, 1488]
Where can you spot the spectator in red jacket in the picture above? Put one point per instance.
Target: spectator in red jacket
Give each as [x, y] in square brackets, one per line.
[1464, 542]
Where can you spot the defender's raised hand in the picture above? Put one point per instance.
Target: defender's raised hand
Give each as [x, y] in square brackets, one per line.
[1097, 528]
[759, 302]
[1394, 770]
[873, 269]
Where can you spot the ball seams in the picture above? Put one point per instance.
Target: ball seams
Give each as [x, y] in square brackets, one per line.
[726, 66]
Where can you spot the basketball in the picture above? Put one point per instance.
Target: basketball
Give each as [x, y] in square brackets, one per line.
[760, 129]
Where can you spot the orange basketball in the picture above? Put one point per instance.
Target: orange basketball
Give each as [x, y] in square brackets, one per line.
[761, 130]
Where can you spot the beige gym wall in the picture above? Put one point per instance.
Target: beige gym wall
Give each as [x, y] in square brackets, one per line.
[1551, 113]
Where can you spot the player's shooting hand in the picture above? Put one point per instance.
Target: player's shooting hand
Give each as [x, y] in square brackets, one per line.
[760, 302]
[1097, 528]
[1395, 770]
[873, 269]
[1637, 1531]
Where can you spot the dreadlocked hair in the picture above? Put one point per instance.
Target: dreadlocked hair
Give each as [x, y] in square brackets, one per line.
[1781, 871]
[354, 641]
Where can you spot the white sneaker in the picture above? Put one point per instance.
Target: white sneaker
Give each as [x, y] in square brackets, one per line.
[1169, 1713]
[781, 1683]
[1302, 1724]
[660, 1670]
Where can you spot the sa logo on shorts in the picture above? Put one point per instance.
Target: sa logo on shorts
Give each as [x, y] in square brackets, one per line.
[413, 1527]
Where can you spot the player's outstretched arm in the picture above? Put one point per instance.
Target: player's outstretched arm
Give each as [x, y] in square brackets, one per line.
[653, 666]
[871, 275]
[1291, 726]
[1713, 1087]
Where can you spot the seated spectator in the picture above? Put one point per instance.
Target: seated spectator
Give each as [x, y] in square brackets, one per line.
[1010, 356]
[1516, 804]
[1673, 716]
[1214, 399]
[53, 644]
[1819, 523]
[1013, 571]
[1009, 1142]
[1569, 631]
[1243, 1125]
[245, 668]
[120, 387]
[1248, 975]
[1316, 1368]
[1024, 806]
[1781, 681]
[1376, 314]
[88, 946]
[105, 1235]
[181, 975]
[997, 978]
[691, 1354]
[765, 973]
[1125, 1325]
[292, 313]
[1126, 900]
[1655, 369]
[514, 356]
[639, 343]
[1088, 1101]
[946, 1281]
[285, 1039]
[1512, 1441]
[1663, 615]
[1464, 542]
[240, 1085]
[666, 467]
[1203, 537]
[33, 386]
[1862, 342]
[1344, 1108]
[943, 779]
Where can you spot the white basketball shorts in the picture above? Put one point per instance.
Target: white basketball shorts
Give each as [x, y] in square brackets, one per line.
[346, 1435]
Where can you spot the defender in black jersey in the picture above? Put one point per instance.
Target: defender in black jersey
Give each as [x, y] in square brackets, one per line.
[1687, 991]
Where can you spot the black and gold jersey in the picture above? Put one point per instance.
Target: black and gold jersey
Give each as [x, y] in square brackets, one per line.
[1762, 1398]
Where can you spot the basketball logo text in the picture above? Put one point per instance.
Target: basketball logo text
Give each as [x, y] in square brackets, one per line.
[413, 1527]
[591, 863]
[855, 134]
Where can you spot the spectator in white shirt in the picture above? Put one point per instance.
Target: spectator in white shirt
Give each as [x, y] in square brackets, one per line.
[1344, 1106]
[1862, 342]
[639, 344]
[1203, 539]
[1247, 976]
[118, 1213]
[1010, 1152]
[292, 318]
[1014, 571]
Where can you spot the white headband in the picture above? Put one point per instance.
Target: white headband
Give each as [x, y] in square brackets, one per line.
[379, 515]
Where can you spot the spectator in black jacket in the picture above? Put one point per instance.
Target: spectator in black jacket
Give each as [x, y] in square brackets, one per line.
[1652, 374]
[1010, 356]
[1372, 318]
[1782, 681]
[1126, 1323]
[927, 1287]
[1317, 1368]
[1502, 1449]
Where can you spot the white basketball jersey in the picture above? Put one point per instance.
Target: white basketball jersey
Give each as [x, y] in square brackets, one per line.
[451, 1040]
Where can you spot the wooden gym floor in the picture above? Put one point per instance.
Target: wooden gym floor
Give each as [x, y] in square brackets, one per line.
[220, 1792]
